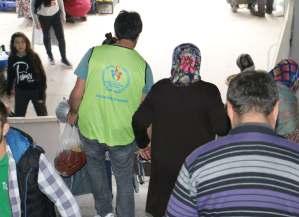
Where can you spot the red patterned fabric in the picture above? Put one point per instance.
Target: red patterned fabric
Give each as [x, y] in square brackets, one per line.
[77, 8]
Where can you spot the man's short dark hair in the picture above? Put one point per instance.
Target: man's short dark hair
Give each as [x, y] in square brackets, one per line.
[128, 25]
[252, 91]
[3, 113]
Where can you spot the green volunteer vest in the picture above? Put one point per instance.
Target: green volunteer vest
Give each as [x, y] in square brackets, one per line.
[113, 91]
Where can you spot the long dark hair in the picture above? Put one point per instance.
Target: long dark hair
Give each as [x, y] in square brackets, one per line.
[33, 57]
[38, 4]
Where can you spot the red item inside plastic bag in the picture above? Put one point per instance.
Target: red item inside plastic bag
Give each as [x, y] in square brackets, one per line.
[69, 162]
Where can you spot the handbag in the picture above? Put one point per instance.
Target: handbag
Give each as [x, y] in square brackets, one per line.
[38, 37]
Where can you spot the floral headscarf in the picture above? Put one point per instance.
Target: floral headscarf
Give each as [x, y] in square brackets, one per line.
[185, 68]
[286, 72]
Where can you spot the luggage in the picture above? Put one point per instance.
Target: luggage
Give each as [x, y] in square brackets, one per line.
[77, 8]
[7, 5]
[235, 4]
[104, 6]
[3, 67]
[3, 58]
[256, 7]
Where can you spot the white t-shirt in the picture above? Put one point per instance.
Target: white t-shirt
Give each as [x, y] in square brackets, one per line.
[49, 11]
[56, 5]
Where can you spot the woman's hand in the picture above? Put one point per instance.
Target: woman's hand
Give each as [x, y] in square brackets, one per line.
[145, 153]
[37, 25]
[63, 18]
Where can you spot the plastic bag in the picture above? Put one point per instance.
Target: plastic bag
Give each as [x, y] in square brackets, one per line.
[70, 158]
[38, 37]
[62, 110]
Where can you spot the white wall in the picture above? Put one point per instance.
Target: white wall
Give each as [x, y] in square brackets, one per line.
[284, 43]
[44, 131]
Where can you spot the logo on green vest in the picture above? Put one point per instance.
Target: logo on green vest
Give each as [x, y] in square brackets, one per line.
[4, 186]
[116, 78]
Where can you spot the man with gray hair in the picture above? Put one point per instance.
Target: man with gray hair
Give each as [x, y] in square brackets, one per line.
[252, 171]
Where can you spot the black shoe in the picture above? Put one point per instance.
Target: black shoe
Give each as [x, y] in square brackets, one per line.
[51, 61]
[269, 11]
[66, 63]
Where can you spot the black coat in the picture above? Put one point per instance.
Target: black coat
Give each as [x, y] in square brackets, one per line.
[182, 118]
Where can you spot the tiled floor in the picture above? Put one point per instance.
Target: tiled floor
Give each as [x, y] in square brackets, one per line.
[220, 34]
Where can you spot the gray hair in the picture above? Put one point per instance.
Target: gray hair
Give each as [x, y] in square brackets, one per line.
[252, 91]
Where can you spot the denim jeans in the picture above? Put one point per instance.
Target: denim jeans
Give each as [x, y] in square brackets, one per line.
[122, 159]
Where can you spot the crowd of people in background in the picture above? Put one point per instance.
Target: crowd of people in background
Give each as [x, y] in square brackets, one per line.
[207, 158]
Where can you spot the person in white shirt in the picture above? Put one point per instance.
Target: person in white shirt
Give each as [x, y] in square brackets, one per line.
[47, 14]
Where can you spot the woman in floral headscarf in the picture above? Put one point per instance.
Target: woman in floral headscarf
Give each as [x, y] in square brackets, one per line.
[286, 75]
[185, 112]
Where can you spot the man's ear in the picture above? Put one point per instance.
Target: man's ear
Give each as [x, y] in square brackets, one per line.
[233, 116]
[230, 111]
[272, 117]
[5, 129]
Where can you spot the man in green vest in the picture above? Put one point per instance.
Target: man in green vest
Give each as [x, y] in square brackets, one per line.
[111, 82]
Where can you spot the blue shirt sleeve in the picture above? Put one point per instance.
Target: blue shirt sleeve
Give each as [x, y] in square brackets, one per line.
[149, 80]
[82, 68]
